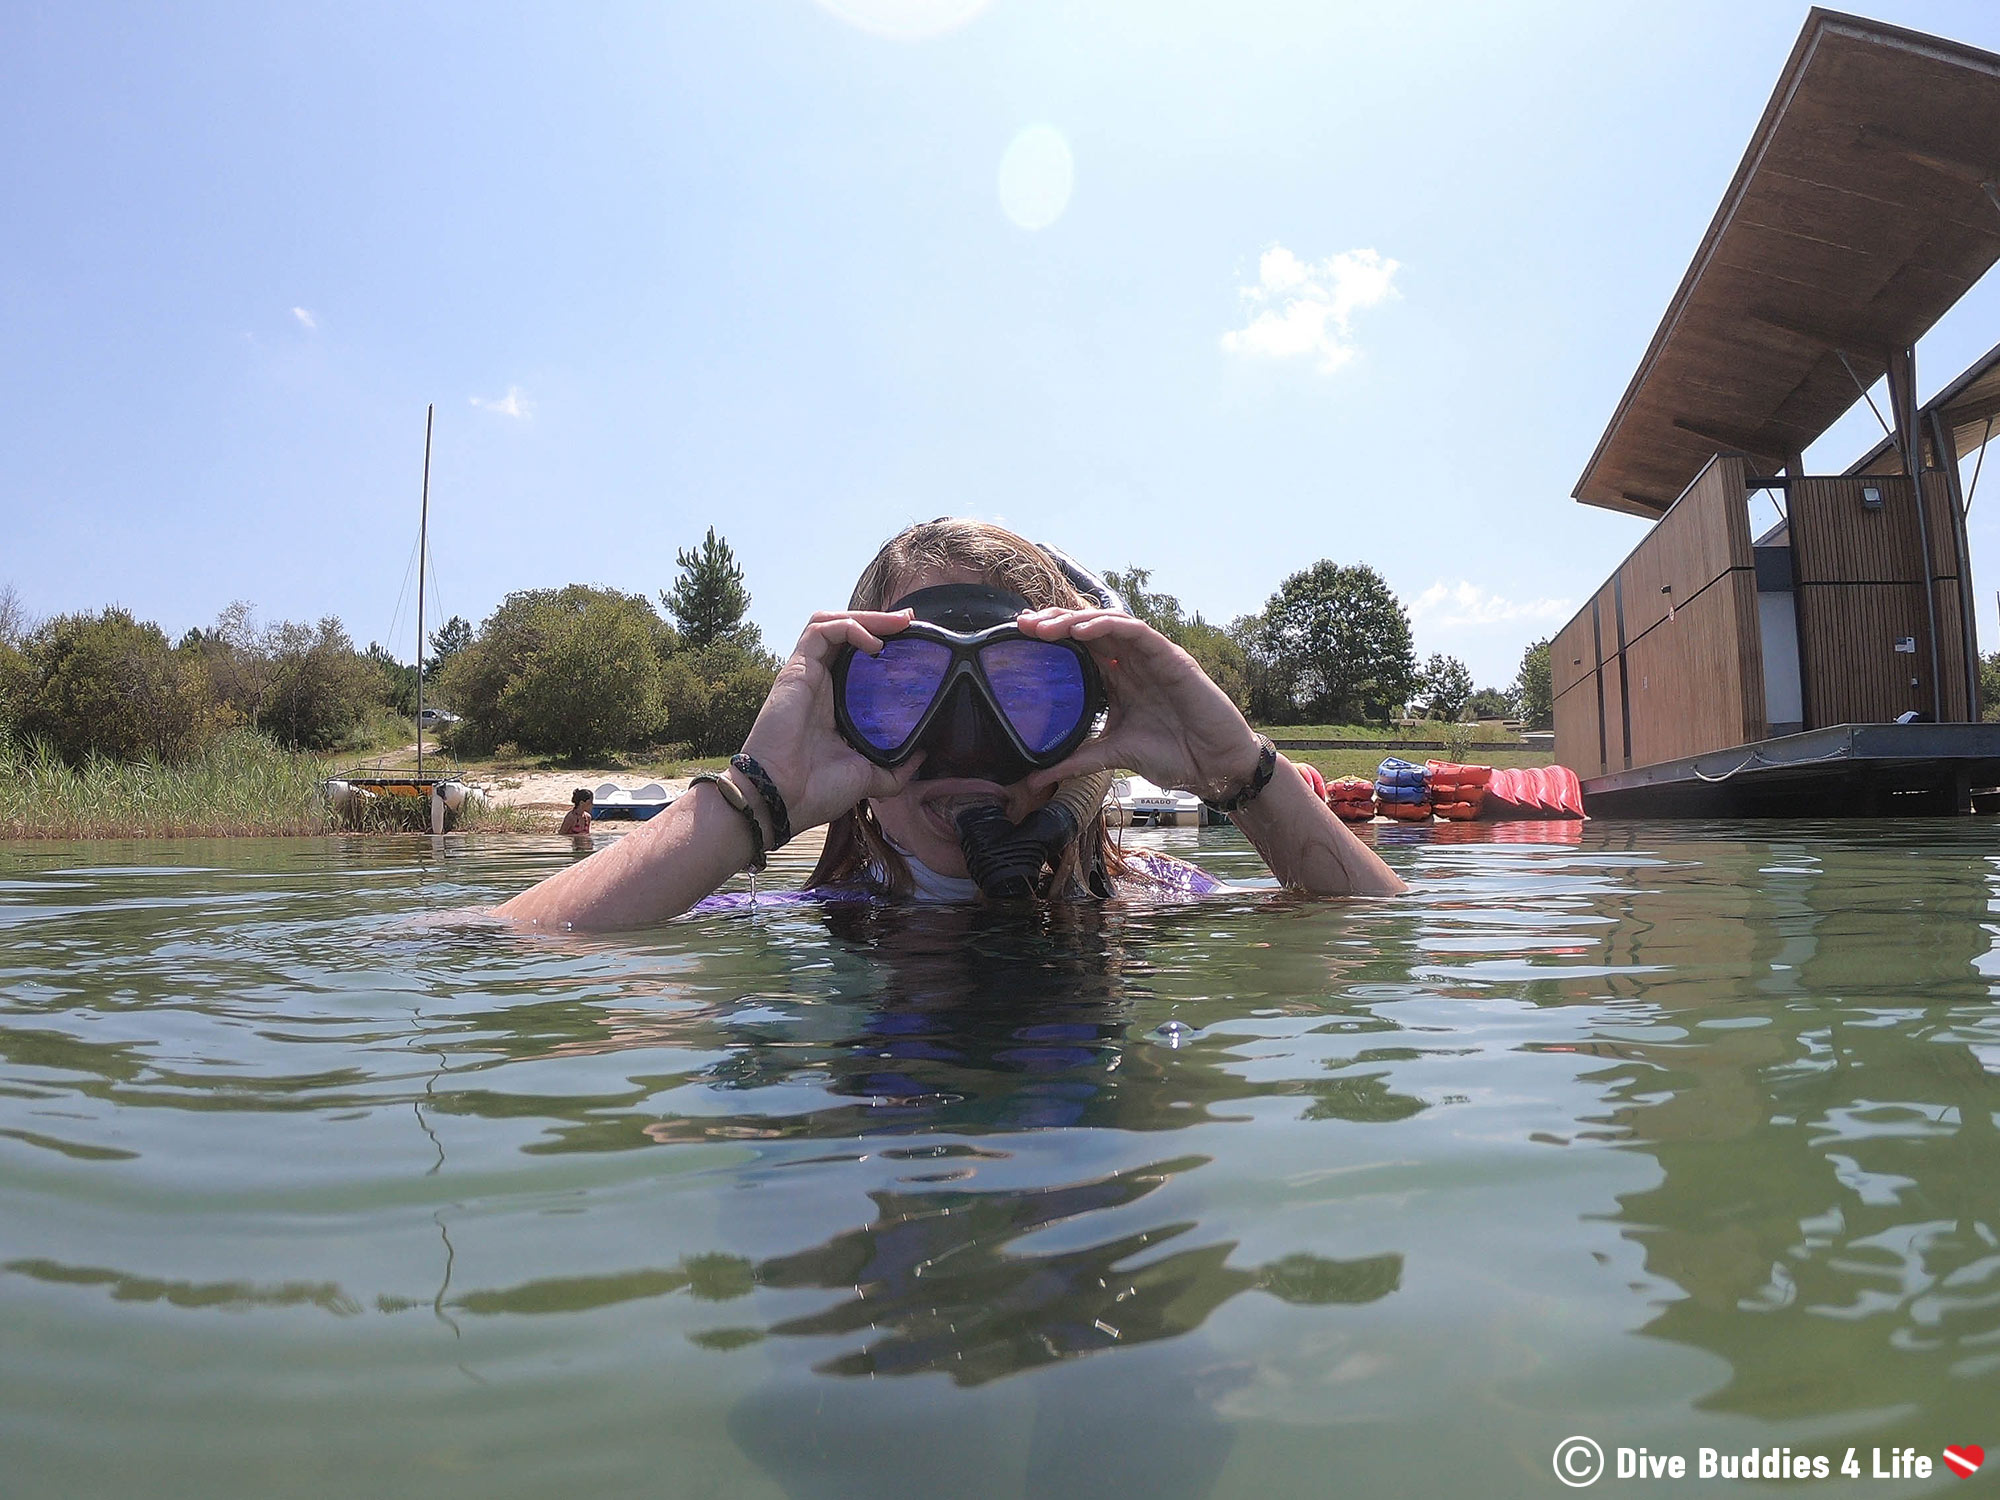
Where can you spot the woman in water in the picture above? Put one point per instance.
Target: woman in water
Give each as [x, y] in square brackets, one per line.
[962, 683]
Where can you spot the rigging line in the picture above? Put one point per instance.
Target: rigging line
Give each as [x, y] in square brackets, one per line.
[1978, 464]
[402, 597]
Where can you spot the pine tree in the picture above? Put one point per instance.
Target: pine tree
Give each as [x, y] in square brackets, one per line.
[708, 599]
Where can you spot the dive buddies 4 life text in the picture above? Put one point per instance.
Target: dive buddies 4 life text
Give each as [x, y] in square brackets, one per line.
[1579, 1463]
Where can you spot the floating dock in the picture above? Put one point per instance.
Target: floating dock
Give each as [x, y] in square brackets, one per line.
[1850, 770]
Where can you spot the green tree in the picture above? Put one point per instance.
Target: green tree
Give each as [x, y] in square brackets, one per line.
[537, 631]
[236, 658]
[15, 625]
[1217, 651]
[735, 680]
[1490, 703]
[15, 682]
[399, 679]
[1161, 611]
[321, 689]
[708, 599]
[590, 684]
[1335, 646]
[106, 683]
[15, 628]
[1446, 687]
[1533, 699]
[1221, 655]
[447, 641]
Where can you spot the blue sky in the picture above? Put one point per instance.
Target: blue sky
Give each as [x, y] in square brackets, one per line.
[1214, 289]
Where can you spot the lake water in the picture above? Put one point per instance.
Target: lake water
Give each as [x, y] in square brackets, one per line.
[1670, 1135]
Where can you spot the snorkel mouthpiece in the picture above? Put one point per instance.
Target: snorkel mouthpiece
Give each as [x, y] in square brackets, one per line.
[1006, 859]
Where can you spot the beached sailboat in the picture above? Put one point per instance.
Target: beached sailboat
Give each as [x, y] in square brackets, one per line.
[354, 794]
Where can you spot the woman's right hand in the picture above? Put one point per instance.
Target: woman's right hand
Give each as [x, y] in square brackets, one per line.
[817, 772]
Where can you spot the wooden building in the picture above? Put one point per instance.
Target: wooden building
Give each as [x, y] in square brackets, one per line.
[1718, 670]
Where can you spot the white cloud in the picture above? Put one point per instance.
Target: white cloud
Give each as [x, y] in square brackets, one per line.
[306, 319]
[514, 404]
[1300, 307]
[1444, 605]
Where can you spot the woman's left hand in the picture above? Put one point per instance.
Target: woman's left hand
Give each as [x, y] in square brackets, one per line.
[1167, 720]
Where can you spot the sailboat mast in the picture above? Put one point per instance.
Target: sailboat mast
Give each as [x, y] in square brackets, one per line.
[423, 544]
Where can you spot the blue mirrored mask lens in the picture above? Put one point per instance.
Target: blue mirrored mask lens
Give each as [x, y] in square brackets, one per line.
[887, 693]
[1039, 686]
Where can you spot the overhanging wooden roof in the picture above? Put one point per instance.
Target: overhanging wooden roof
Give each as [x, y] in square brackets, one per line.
[1858, 216]
[1970, 406]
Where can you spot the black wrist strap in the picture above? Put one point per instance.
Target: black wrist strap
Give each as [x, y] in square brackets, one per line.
[733, 795]
[774, 802]
[1267, 767]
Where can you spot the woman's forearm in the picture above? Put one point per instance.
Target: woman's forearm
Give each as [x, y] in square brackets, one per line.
[646, 876]
[1306, 846]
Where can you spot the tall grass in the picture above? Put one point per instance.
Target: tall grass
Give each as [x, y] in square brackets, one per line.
[239, 784]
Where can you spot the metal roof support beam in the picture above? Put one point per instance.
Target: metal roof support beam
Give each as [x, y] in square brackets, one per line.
[1947, 456]
[1734, 442]
[1903, 401]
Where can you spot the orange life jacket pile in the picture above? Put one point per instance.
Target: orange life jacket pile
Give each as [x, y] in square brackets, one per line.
[1457, 792]
[1352, 798]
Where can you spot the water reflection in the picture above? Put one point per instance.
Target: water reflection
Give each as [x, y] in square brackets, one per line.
[1744, 1076]
[1823, 1116]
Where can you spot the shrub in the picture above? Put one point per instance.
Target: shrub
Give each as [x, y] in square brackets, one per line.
[321, 689]
[15, 680]
[571, 670]
[591, 683]
[107, 684]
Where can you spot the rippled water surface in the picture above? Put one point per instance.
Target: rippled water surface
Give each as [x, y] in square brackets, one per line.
[313, 1182]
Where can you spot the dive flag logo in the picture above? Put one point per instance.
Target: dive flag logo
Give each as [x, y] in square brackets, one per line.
[1964, 1459]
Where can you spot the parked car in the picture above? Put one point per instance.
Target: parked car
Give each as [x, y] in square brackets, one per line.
[430, 718]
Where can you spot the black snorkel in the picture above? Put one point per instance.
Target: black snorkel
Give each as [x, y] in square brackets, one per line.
[1017, 861]
[1007, 861]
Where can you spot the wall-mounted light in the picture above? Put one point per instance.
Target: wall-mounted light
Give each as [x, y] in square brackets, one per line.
[1871, 497]
[1668, 590]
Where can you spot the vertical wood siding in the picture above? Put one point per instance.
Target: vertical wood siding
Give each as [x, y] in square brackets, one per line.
[1692, 667]
[1860, 576]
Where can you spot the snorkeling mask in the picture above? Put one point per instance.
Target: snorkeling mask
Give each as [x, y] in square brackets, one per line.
[963, 684]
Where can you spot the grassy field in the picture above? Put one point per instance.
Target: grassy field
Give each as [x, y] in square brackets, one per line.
[242, 785]
[1483, 734]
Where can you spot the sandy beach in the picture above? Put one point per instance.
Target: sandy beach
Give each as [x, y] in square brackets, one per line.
[551, 789]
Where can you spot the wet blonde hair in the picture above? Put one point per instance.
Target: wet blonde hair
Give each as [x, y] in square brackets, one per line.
[856, 847]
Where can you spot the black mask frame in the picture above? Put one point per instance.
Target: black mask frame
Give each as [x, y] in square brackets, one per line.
[973, 736]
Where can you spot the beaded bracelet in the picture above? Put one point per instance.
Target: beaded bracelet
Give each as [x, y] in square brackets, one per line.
[774, 802]
[733, 795]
